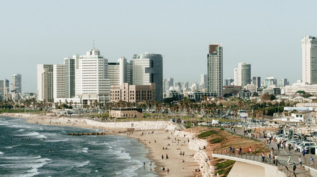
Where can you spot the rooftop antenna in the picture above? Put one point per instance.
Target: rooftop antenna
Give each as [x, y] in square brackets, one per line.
[94, 44]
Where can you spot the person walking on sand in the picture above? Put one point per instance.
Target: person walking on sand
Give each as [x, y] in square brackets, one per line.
[162, 157]
[184, 153]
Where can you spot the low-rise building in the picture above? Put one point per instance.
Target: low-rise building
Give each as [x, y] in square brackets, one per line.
[292, 89]
[231, 89]
[250, 87]
[132, 93]
[174, 94]
[126, 112]
[198, 96]
[245, 94]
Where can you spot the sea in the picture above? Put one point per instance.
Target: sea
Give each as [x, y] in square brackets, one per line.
[28, 149]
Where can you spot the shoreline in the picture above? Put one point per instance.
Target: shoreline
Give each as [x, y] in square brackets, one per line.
[154, 143]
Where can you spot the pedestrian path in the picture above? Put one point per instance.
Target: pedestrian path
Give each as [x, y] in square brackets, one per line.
[282, 156]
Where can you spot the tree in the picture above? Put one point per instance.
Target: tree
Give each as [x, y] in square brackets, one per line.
[272, 97]
[227, 95]
[301, 92]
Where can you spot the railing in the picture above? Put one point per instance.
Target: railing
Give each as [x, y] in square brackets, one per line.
[257, 158]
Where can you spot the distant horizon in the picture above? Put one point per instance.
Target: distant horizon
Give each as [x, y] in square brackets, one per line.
[266, 34]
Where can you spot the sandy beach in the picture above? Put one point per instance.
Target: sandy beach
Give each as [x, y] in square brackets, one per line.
[155, 140]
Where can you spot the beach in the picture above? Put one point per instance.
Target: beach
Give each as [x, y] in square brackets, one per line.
[154, 135]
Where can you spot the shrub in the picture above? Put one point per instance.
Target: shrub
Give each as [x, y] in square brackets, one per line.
[225, 164]
[216, 140]
[206, 134]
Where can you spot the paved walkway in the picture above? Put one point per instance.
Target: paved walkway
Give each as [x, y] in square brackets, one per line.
[284, 155]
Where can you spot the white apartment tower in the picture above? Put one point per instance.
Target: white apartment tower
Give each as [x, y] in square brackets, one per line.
[235, 76]
[309, 60]
[242, 74]
[17, 83]
[91, 78]
[45, 82]
[119, 72]
[203, 81]
[59, 81]
[4, 89]
[215, 69]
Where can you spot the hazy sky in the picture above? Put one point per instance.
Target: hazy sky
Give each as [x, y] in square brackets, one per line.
[265, 33]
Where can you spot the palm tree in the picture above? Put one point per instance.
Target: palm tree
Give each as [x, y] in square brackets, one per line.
[240, 104]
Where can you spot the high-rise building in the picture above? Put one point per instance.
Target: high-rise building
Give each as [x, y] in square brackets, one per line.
[70, 76]
[91, 78]
[59, 81]
[282, 83]
[235, 76]
[228, 81]
[270, 81]
[243, 74]
[4, 89]
[45, 82]
[309, 59]
[256, 81]
[215, 69]
[185, 85]
[147, 69]
[114, 73]
[169, 83]
[16, 83]
[178, 84]
[203, 81]
[119, 72]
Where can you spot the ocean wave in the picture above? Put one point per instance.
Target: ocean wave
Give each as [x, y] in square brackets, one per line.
[1, 153]
[85, 150]
[20, 130]
[31, 164]
[10, 147]
[53, 141]
[125, 156]
[21, 157]
[32, 134]
[81, 164]
[98, 144]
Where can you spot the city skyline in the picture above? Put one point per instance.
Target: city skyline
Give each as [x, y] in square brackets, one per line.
[43, 32]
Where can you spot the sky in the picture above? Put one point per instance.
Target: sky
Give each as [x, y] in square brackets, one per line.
[266, 34]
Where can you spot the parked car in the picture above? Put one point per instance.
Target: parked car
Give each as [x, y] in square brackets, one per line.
[297, 146]
[291, 142]
[307, 146]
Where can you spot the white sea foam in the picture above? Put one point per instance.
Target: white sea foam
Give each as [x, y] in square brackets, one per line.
[85, 150]
[31, 163]
[53, 141]
[1, 153]
[10, 147]
[81, 164]
[22, 158]
[98, 144]
[33, 134]
[20, 130]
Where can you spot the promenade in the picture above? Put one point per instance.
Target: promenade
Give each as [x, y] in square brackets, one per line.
[283, 155]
